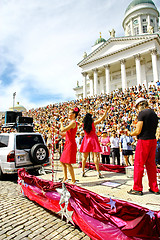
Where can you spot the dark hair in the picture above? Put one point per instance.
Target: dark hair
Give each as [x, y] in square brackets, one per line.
[87, 121]
[76, 110]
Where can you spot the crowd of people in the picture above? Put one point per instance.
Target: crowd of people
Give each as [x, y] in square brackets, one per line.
[113, 133]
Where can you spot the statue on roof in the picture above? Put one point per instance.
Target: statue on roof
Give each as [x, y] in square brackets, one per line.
[77, 83]
[150, 29]
[84, 55]
[112, 33]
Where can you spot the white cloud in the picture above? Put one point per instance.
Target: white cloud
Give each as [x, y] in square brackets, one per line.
[44, 41]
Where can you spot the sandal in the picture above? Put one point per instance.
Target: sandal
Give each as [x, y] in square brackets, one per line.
[83, 174]
[74, 183]
[64, 181]
[157, 193]
[99, 175]
[134, 192]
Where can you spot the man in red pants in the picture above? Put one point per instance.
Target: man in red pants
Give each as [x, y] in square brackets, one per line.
[146, 148]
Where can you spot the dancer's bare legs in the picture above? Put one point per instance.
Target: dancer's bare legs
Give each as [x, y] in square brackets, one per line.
[85, 155]
[64, 167]
[71, 171]
[96, 161]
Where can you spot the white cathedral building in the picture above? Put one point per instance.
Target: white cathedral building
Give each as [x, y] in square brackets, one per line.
[123, 62]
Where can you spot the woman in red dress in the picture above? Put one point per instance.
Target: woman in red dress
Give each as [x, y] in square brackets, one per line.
[70, 147]
[90, 141]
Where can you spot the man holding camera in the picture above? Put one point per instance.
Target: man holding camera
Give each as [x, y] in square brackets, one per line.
[146, 148]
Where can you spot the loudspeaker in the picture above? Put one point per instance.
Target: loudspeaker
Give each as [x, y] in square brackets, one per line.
[24, 119]
[23, 128]
[11, 116]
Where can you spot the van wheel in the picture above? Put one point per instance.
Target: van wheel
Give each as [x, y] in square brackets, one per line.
[39, 153]
[1, 174]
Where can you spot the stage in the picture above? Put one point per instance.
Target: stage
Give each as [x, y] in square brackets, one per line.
[113, 184]
[97, 202]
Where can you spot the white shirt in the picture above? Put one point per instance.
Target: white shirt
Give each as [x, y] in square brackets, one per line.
[114, 142]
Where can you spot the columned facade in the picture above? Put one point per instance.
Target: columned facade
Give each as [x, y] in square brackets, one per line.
[84, 85]
[123, 62]
[107, 78]
[103, 80]
[154, 65]
[138, 69]
[91, 85]
[123, 74]
[95, 81]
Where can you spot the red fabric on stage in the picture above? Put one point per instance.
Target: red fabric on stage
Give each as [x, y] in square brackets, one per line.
[41, 199]
[40, 183]
[93, 213]
[105, 167]
[106, 230]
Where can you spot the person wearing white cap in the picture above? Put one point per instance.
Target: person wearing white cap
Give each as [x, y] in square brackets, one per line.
[146, 148]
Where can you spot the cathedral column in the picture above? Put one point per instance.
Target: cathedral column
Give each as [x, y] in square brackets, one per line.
[148, 22]
[84, 84]
[138, 69]
[95, 81]
[91, 84]
[123, 75]
[155, 25]
[154, 65]
[132, 31]
[107, 76]
[102, 90]
[140, 25]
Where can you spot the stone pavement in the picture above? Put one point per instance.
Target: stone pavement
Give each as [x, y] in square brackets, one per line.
[114, 185]
[21, 218]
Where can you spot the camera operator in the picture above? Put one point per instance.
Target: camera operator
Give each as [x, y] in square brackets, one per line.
[146, 148]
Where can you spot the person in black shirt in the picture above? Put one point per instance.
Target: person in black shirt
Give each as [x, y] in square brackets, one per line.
[146, 148]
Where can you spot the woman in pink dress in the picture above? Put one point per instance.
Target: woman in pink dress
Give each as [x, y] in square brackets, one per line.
[105, 146]
[70, 147]
[90, 141]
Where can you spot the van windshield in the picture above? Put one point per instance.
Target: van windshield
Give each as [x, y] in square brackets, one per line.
[27, 141]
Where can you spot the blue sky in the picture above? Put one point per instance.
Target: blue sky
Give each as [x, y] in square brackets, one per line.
[41, 42]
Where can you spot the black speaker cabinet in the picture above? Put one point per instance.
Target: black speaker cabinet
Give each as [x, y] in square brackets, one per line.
[23, 128]
[11, 116]
[24, 119]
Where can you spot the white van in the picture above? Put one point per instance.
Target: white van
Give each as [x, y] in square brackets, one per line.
[22, 150]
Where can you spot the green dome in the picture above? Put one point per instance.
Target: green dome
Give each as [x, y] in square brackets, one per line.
[99, 40]
[18, 108]
[137, 2]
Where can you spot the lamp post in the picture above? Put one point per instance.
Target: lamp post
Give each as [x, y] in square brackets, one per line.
[14, 95]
